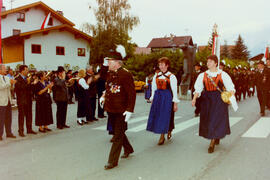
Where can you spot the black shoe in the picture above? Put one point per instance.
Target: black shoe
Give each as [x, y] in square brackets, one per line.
[66, 126]
[21, 134]
[11, 136]
[89, 120]
[47, 129]
[102, 116]
[95, 119]
[42, 130]
[84, 122]
[60, 127]
[80, 123]
[71, 102]
[125, 155]
[31, 132]
[109, 166]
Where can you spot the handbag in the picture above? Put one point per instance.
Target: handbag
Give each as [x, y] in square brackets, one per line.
[225, 95]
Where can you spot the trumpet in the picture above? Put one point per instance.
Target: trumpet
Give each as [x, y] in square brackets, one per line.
[71, 81]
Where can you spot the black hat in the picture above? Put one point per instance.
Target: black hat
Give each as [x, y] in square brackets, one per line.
[197, 64]
[113, 55]
[60, 69]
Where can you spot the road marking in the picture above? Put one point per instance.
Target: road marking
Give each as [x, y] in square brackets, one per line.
[143, 126]
[233, 121]
[186, 124]
[261, 129]
[134, 120]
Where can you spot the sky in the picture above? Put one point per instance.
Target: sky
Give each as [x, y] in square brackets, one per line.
[159, 18]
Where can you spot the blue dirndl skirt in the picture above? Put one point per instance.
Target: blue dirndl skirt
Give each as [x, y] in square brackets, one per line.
[160, 112]
[214, 116]
[147, 92]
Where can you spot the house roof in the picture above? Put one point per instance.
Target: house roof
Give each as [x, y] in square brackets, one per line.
[41, 5]
[64, 27]
[257, 57]
[165, 42]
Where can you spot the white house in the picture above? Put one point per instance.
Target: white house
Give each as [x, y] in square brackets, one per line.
[24, 41]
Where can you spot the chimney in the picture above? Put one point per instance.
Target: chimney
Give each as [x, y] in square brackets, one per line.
[60, 12]
[3, 8]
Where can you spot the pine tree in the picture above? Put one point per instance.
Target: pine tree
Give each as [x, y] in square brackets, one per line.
[225, 53]
[240, 51]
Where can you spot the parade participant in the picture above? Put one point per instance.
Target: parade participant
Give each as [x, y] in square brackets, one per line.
[120, 99]
[236, 81]
[70, 87]
[164, 101]
[5, 103]
[268, 94]
[195, 74]
[60, 92]
[83, 86]
[148, 87]
[44, 116]
[262, 85]
[214, 116]
[23, 89]
[91, 93]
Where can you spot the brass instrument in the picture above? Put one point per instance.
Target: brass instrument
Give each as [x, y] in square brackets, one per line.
[71, 81]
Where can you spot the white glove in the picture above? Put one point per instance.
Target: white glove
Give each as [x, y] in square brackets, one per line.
[105, 62]
[101, 102]
[128, 115]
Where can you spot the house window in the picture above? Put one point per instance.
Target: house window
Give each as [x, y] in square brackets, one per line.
[60, 50]
[16, 32]
[36, 48]
[81, 51]
[50, 23]
[21, 17]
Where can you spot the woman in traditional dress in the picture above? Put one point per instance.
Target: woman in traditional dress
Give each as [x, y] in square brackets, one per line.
[83, 86]
[44, 116]
[214, 116]
[164, 101]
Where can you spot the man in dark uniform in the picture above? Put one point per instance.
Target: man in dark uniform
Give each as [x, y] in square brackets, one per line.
[262, 85]
[23, 89]
[244, 83]
[120, 97]
[195, 74]
[236, 81]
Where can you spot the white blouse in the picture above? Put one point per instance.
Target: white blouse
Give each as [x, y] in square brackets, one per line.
[227, 81]
[83, 83]
[173, 84]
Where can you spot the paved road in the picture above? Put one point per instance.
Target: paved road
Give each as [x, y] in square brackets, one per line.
[80, 152]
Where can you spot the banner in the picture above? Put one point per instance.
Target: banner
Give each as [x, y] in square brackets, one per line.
[216, 47]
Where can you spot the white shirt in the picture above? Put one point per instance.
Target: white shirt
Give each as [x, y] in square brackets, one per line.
[83, 83]
[227, 81]
[173, 84]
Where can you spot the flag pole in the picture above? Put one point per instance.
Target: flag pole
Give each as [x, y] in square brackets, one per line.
[1, 5]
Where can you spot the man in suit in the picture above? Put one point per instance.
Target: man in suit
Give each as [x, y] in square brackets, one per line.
[5, 103]
[23, 89]
[262, 85]
[120, 100]
[195, 74]
[60, 96]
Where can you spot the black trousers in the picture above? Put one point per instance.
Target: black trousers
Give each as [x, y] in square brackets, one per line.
[5, 119]
[262, 97]
[121, 140]
[25, 111]
[93, 102]
[61, 113]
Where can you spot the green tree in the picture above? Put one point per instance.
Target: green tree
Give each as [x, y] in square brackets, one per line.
[240, 51]
[114, 22]
[201, 56]
[225, 53]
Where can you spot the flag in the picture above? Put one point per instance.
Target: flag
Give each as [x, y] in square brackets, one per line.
[216, 47]
[46, 21]
[266, 55]
[1, 4]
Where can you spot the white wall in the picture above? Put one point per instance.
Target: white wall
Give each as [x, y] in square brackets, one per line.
[48, 59]
[33, 21]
